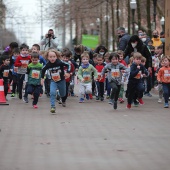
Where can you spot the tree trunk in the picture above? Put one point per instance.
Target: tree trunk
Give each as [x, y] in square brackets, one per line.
[148, 17]
[64, 25]
[139, 13]
[117, 14]
[107, 25]
[101, 24]
[129, 12]
[113, 26]
[76, 23]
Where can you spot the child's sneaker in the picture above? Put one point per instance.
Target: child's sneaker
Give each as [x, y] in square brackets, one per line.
[72, 94]
[136, 103]
[166, 105]
[97, 98]
[159, 100]
[25, 99]
[35, 106]
[13, 95]
[87, 96]
[102, 98]
[110, 101]
[141, 101]
[52, 110]
[64, 104]
[121, 100]
[91, 96]
[107, 97]
[81, 100]
[128, 106]
[60, 101]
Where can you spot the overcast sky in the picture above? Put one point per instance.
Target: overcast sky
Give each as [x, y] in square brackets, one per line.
[25, 23]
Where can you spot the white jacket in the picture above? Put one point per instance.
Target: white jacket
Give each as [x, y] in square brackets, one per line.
[53, 43]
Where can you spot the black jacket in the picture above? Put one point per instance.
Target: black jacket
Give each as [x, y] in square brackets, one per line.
[141, 48]
[134, 72]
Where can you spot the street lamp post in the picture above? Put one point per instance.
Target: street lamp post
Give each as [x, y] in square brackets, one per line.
[163, 23]
[154, 13]
[133, 6]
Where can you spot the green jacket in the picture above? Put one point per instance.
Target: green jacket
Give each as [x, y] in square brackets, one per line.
[34, 73]
[86, 73]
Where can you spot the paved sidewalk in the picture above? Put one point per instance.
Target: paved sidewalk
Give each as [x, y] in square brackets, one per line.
[87, 136]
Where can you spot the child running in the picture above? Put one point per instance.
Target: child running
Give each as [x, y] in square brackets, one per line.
[16, 53]
[85, 76]
[114, 77]
[56, 70]
[164, 78]
[66, 55]
[122, 61]
[100, 82]
[4, 72]
[135, 84]
[22, 62]
[34, 78]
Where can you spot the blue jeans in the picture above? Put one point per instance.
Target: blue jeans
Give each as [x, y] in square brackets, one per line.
[61, 86]
[166, 91]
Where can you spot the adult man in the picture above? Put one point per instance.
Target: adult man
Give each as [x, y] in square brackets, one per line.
[49, 40]
[123, 38]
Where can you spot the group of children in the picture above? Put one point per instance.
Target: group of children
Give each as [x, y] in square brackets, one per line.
[108, 72]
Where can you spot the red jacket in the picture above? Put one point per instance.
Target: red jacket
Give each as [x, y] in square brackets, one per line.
[22, 63]
[20, 58]
[123, 62]
[99, 69]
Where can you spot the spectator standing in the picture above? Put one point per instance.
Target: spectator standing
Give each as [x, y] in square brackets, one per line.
[49, 41]
[123, 38]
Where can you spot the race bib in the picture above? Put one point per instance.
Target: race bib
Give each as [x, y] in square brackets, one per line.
[99, 75]
[115, 73]
[56, 76]
[5, 73]
[86, 77]
[138, 76]
[24, 63]
[167, 75]
[35, 74]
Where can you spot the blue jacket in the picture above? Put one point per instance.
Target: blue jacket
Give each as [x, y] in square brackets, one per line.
[42, 60]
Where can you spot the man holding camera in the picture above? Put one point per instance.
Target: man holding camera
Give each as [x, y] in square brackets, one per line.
[49, 40]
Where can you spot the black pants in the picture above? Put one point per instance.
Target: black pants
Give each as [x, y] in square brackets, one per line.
[47, 85]
[115, 91]
[20, 79]
[5, 87]
[65, 97]
[14, 84]
[35, 91]
[99, 89]
[134, 87]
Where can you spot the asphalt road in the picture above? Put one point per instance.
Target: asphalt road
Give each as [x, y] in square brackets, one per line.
[87, 136]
